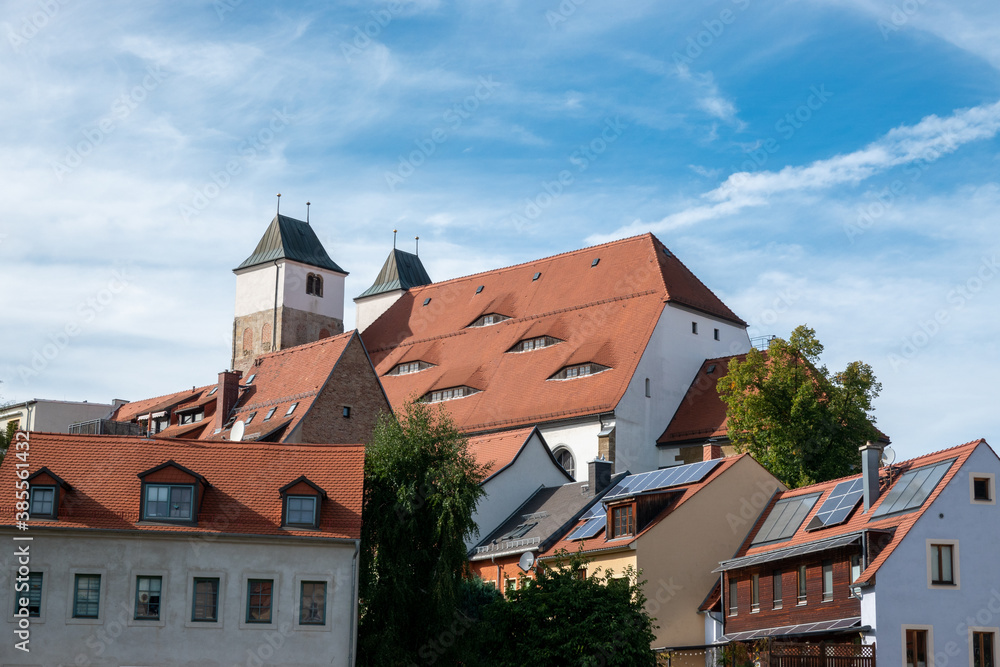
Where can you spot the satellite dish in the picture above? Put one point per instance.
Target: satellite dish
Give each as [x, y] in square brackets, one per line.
[237, 433]
[888, 456]
[527, 560]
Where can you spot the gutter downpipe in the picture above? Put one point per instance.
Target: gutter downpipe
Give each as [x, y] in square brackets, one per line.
[351, 657]
[274, 324]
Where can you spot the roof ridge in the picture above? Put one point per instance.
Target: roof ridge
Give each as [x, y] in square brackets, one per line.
[169, 393]
[695, 276]
[296, 348]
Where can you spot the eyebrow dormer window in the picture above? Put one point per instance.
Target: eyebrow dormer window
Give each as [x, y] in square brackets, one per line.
[579, 370]
[409, 367]
[529, 344]
[169, 501]
[314, 284]
[449, 394]
[489, 319]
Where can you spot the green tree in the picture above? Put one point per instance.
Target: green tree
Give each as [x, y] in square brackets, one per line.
[561, 618]
[798, 420]
[421, 489]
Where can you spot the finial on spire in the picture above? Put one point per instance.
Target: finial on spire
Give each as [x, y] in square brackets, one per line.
[279, 203]
[307, 212]
[394, 239]
[418, 245]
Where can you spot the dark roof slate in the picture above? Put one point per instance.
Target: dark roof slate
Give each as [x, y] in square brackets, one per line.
[402, 270]
[291, 239]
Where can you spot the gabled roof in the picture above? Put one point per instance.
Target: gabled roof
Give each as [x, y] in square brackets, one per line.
[680, 495]
[602, 313]
[894, 525]
[291, 239]
[499, 450]
[134, 409]
[245, 477]
[702, 413]
[402, 270]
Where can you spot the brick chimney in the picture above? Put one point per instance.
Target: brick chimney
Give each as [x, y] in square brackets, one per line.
[710, 451]
[598, 475]
[225, 398]
[871, 461]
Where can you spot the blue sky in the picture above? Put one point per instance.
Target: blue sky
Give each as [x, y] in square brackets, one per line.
[833, 162]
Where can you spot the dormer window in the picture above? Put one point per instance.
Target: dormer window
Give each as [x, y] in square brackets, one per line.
[579, 370]
[529, 344]
[43, 494]
[301, 501]
[192, 417]
[171, 493]
[270, 413]
[409, 367]
[449, 394]
[489, 319]
[314, 284]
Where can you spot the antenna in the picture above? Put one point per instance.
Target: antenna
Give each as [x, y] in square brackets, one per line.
[394, 239]
[239, 428]
[307, 212]
[279, 203]
[888, 456]
[418, 245]
[526, 561]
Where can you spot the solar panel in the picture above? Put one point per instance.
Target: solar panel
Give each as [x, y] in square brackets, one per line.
[785, 518]
[589, 529]
[839, 504]
[597, 510]
[655, 480]
[912, 489]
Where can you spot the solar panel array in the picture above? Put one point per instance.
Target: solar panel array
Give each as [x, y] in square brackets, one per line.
[785, 518]
[912, 489]
[597, 510]
[788, 552]
[662, 479]
[589, 529]
[839, 504]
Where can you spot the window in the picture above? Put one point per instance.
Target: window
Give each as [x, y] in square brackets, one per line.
[250, 418]
[42, 502]
[300, 511]
[715, 334]
[802, 585]
[855, 567]
[160, 424]
[34, 594]
[346, 412]
[981, 488]
[776, 589]
[168, 501]
[537, 343]
[565, 458]
[489, 319]
[827, 580]
[427, 301]
[314, 285]
[249, 380]
[87, 596]
[536, 276]
[312, 603]
[509, 585]
[597, 260]
[733, 604]
[754, 593]
[942, 565]
[206, 600]
[916, 648]
[983, 651]
[247, 341]
[214, 389]
[694, 327]
[259, 600]
[270, 413]
[480, 289]
[449, 394]
[623, 521]
[409, 367]
[147, 598]
[291, 409]
[192, 417]
[578, 370]
[520, 531]
[647, 388]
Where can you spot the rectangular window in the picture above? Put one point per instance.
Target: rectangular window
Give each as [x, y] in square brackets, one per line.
[147, 598]
[716, 334]
[346, 412]
[206, 600]
[916, 648]
[754, 593]
[42, 501]
[312, 603]
[301, 511]
[250, 418]
[35, 594]
[87, 596]
[983, 652]
[942, 571]
[623, 521]
[802, 584]
[509, 585]
[291, 409]
[270, 413]
[776, 587]
[648, 394]
[733, 602]
[168, 501]
[855, 567]
[827, 580]
[694, 327]
[259, 600]
[981, 489]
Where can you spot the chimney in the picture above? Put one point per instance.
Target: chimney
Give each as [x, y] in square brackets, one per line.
[225, 398]
[871, 460]
[598, 475]
[711, 450]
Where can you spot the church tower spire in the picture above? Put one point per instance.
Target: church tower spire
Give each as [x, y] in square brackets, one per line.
[401, 271]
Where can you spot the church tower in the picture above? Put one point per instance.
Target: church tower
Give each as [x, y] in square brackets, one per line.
[288, 292]
[401, 271]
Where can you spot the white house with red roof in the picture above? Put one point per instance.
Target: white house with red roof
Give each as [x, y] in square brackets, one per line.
[170, 552]
[903, 558]
[596, 347]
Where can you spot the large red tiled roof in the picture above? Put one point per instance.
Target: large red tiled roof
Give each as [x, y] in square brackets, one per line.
[858, 520]
[702, 413]
[604, 314]
[244, 478]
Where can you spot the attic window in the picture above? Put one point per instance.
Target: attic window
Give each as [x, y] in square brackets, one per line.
[292, 409]
[529, 344]
[250, 380]
[519, 532]
[214, 389]
[250, 418]
[579, 370]
[168, 501]
[301, 503]
[409, 367]
[449, 394]
[537, 276]
[488, 319]
[192, 417]
[597, 260]
[270, 413]
[427, 301]
[480, 289]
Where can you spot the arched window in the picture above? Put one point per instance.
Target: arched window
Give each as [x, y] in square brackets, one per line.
[565, 459]
[265, 337]
[247, 341]
[314, 284]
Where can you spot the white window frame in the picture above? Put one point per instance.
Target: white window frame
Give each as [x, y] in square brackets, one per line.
[993, 488]
[972, 629]
[930, 642]
[955, 570]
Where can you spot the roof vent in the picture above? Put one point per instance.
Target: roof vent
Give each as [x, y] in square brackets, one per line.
[427, 301]
[597, 260]
[479, 289]
[710, 370]
[537, 276]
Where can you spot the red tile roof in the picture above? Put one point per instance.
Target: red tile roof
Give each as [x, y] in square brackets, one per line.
[244, 479]
[603, 314]
[858, 520]
[133, 409]
[702, 413]
[498, 450]
[601, 541]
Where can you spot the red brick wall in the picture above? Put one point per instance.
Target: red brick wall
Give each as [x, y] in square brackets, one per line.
[791, 613]
[487, 569]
